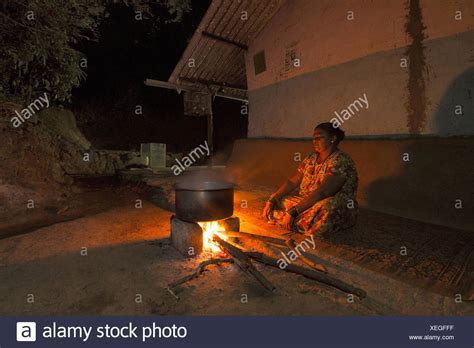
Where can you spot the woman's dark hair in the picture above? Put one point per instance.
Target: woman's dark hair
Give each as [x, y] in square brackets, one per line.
[331, 130]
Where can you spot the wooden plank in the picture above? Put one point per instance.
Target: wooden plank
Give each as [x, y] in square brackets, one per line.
[292, 245]
[169, 85]
[266, 239]
[224, 40]
[210, 137]
[213, 83]
[309, 273]
[181, 87]
[244, 262]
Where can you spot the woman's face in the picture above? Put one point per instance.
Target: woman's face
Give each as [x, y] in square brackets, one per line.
[321, 140]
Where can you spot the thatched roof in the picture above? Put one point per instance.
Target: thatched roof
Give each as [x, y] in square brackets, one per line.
[215, 55]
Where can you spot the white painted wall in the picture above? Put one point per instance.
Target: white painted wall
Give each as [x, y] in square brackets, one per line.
[342, 59]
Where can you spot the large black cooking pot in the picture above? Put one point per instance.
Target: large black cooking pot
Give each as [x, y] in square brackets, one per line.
[204, 200]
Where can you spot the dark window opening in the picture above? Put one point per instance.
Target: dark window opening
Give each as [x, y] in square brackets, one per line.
[259, 62]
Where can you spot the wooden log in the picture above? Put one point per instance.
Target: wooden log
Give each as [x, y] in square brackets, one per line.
[230, 224]
[266, 239]
[321, 268]
[171, 287]
[244, 262]
[309, 273]
[291, 244]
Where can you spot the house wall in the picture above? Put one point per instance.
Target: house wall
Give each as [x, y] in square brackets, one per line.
[340, 60]
[432, 184]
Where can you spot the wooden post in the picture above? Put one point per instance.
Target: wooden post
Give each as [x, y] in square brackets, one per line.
[309, 273]
[210, 134]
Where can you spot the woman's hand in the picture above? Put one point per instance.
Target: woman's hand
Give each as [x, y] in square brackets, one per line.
[267, 209]
[287, 221]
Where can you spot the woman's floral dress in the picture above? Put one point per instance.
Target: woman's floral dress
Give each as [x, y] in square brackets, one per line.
[332, 213]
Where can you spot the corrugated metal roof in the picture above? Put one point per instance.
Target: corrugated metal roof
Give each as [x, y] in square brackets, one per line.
[218, 44]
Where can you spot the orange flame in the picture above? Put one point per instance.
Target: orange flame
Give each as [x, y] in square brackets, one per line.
[208, 229]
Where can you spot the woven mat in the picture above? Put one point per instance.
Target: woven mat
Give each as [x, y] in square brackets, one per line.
[440, 259]
[437, 258]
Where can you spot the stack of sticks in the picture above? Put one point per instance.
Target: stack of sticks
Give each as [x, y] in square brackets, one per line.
[243, 259]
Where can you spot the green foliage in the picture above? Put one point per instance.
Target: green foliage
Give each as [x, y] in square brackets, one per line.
[39, 42]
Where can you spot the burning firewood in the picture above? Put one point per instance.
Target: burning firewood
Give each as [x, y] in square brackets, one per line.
[244, 258]
[244, 262]
[171, 287]
[309, 273]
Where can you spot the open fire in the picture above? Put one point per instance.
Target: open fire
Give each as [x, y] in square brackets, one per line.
[191, 238]
[213, 238]
[208, 229]
[203, 208]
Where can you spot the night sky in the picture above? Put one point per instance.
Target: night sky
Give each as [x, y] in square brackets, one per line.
[128, 52]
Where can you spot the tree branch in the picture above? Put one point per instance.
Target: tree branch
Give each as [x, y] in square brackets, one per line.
[171, 287]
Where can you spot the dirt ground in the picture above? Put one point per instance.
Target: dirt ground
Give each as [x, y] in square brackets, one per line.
[118, 261]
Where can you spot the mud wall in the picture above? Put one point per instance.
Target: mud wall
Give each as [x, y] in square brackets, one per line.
[414, 61]
[423, 179]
